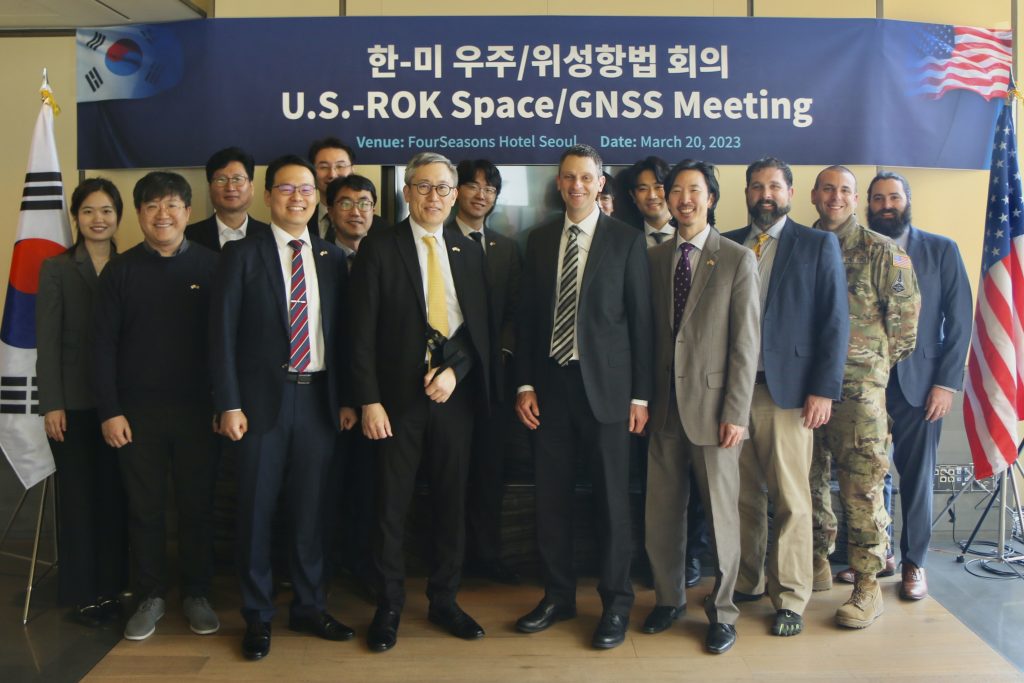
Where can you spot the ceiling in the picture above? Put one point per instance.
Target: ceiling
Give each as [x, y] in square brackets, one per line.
[68, 14]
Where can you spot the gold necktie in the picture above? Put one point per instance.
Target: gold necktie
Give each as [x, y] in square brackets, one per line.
[762, 239]
[437, 305]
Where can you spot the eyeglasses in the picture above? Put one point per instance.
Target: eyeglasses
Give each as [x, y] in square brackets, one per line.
[171, 207]
[348, 204]
[338, 166]
[425, 188]
[287, 189]
[236, 180]
[486, 189]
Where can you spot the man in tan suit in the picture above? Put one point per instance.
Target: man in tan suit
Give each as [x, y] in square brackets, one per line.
[707, 336]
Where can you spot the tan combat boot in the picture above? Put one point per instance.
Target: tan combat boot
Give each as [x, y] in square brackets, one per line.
[864, 606]
[822, 575]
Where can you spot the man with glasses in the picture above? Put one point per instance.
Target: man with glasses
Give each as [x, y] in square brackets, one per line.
[153, 398]
[350, 202]
[277, 326]
[421, 357]
[479, 187]
[229, 172]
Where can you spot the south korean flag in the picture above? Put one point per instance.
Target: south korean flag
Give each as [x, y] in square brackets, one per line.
[127, 62]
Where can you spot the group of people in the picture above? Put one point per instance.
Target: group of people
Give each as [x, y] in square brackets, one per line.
[339, 358]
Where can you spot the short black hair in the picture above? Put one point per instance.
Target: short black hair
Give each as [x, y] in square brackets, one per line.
[354, 182]
[160, 184]
[223, 157]
[890, 175]
[705, 169]
[329, 143]
[467, 169]
[585, 151]
[656, 165]
[287, 160]
[609, 185]
[771, 162]
[90, 185]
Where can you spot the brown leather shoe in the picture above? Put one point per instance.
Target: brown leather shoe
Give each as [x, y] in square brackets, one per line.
[849, 576]
[914, 585]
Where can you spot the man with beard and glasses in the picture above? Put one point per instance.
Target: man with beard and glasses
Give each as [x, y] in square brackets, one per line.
[884, 304]
[921, 387]
[804, 329]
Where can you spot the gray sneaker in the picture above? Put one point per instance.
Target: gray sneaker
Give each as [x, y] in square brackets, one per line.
[143, 623]
[201, 617]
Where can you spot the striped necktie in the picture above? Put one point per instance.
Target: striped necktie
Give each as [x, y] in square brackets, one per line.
[564, 336]
[298, 316]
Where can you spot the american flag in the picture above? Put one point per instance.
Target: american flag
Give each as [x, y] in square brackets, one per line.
[964, 58]
[994, 388]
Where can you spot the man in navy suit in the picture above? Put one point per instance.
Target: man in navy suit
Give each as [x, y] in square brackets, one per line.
[585, 372]
[277, 361]
[229, 172]
[921, 387]
[805, 327]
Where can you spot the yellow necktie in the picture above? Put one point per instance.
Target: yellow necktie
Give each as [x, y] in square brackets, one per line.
[762, 239]
[437, 305]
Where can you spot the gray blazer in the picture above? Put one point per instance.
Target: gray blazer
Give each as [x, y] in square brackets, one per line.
[715, 352]
[64, 331]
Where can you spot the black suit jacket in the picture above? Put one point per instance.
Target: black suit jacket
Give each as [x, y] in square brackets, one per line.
[249, 346]
[389, 317]
[205, 231]
[614, 317]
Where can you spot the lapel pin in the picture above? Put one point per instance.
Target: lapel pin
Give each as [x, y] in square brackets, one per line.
[193, 286]
[492, 244]
[456, 249]
[323, 253]
[711, 261]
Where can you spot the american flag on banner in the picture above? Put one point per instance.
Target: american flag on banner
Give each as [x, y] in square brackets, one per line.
[965, 58]
[994, 388]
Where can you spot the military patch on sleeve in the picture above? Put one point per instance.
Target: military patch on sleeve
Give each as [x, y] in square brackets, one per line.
[900, 260]
[897, 285]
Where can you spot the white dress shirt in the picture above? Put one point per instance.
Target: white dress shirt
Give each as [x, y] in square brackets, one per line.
[226, 233]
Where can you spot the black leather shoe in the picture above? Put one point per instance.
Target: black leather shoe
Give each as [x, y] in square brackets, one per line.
[496, 570]
[661, 618]
[610, 631]
[383, 632]
[88, 615]
[457, 622]
[256, 641]
[692, 571]
[720, 638]
[739, 596]
[323, 625]
[544, 615]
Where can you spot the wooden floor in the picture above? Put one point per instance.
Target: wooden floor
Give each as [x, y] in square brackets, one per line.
[912, 641]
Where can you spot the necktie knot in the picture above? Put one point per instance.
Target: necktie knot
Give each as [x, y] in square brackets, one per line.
[762, 240]
[477, 235]
[687, 247]
[296, 245]
[574, 232]
[657, 237]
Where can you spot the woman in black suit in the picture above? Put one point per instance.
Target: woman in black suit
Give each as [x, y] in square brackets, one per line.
[91, 538]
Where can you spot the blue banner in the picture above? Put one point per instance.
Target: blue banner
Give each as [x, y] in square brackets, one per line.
[518, 90]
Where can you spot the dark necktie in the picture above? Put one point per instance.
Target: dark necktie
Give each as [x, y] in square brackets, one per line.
[478, 237]
[681, 286]
[657, 237]
[298, 316]
[349, 260]
[562, 340]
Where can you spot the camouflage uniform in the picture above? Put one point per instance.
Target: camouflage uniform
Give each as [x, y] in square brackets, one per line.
[884, 306]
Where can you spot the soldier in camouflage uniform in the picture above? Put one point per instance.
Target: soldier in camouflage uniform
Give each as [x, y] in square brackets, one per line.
[884, 306]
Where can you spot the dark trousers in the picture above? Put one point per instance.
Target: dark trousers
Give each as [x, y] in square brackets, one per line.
[92, 533]
[293, 456]
[349, 509]
[568, 430]
[486, 489]
[435, 437]
[178, 439]
[915, 443]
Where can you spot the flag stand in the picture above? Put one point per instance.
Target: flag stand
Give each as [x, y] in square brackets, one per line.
[1003, 554]
[34, 561]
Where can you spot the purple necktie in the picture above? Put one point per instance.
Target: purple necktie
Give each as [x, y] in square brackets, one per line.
[298, 316]
[681, 287]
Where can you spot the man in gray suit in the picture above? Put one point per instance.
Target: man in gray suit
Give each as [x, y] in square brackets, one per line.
[706, 339]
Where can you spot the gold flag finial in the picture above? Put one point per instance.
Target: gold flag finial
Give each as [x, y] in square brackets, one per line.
[46, 95]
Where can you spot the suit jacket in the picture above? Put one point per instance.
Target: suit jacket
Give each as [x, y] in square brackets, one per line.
[65, 331]
[504, 269]
[206, 233]
[944, 327]
[389, 318]
[613, 320]
[714, 355]
[805, 323]
[249, 337]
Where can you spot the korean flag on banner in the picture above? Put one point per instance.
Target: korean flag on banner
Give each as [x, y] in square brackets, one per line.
[127, 62]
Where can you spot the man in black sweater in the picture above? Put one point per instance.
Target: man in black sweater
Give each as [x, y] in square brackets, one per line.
[153, 397]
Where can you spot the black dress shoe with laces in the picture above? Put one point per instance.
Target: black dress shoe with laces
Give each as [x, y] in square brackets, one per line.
[720, 638]
[256, 641]
[610, 631]
[322, 625]
[455, 621]
[661, 618]
[544, 615]
[383, 632]
[692, 571]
